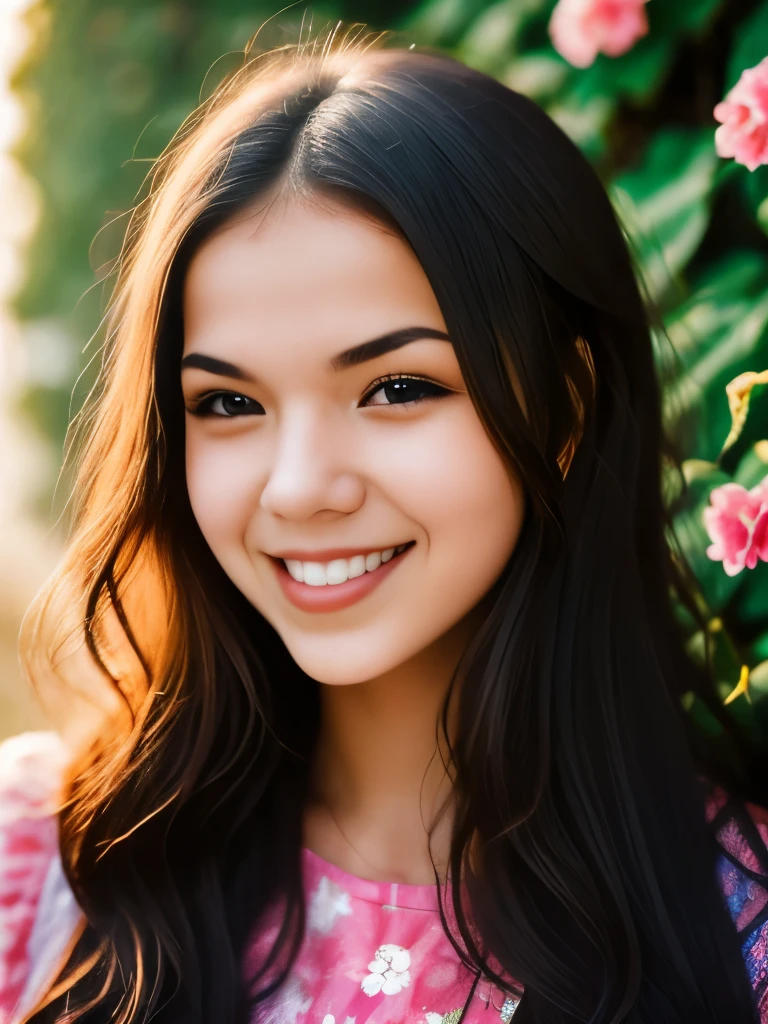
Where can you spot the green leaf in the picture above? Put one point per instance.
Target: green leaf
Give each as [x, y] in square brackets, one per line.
[584, 121]
[751, 44]
[758, 683]
[665, 202]
[758, 691]
[760, 649]
[753, 468]
[754, 187]
[538, 74]
[637, 74]
[705, 721]
[719, 332]
[740, 271]
[711, 736]
[749, 603]
[492, 38]
[762, 215]
[440, 22]
[689, 16]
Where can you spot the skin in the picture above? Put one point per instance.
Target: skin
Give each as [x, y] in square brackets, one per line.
[317, 459]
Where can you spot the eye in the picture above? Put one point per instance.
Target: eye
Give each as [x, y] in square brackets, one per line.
[399, 389]
[226, 404]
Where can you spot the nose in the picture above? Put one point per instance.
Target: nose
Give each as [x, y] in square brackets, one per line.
[311, 469]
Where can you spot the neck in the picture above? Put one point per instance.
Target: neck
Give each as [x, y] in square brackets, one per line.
[379, 779]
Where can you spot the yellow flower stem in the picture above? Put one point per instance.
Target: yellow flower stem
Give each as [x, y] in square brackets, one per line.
[741, 687]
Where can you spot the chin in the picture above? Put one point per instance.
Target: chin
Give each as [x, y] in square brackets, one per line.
[339, 658]
[338, 670]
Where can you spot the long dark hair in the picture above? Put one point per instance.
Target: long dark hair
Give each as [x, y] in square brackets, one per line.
[591, 878]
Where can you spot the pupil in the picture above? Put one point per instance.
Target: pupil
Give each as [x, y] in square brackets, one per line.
[233, 404]
[398, 391]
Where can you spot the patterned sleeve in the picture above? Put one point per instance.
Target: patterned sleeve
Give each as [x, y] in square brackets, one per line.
[741, 829]
[32, 765]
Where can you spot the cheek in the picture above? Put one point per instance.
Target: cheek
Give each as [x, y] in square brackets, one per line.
[453, 482]
[221, 481]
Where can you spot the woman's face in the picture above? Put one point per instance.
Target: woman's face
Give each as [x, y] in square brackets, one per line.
[311, 454]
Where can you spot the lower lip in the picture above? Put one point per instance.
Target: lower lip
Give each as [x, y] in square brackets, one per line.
[333, 597]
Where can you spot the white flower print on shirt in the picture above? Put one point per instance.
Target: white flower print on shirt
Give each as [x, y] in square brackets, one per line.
[389, 971]
[328, 902]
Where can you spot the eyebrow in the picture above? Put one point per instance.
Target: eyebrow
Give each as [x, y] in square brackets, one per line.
[351, 357]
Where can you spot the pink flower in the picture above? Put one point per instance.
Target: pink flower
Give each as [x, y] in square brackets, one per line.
[743, 133]
[580, 29]
[737, 523]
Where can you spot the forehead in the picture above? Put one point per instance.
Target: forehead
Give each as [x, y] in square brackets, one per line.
[294, 274]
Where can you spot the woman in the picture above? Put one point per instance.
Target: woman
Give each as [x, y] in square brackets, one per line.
[369, 559]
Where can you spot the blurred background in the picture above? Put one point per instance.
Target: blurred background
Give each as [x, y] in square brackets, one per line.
[91, 91]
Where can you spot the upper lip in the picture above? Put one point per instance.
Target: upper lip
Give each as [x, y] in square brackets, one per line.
[329, 554]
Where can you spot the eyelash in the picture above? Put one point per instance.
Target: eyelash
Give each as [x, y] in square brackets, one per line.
[203, 405]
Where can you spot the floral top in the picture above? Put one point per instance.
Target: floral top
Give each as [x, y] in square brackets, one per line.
[374, 952]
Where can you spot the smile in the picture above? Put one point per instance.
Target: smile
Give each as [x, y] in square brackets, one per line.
[330, 586]
[339, 570]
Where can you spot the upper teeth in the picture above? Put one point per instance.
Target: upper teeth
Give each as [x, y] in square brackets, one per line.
[321, 574]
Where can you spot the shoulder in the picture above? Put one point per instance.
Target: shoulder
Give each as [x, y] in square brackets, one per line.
[32, 767]
[741, 832]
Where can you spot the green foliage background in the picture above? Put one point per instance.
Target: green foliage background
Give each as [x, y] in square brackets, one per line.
[110, 82]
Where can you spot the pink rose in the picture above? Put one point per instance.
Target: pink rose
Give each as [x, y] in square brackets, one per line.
[743, 133]
[580, 29]
[737, 522]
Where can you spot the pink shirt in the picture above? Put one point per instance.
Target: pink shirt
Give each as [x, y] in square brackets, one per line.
[374, 952]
